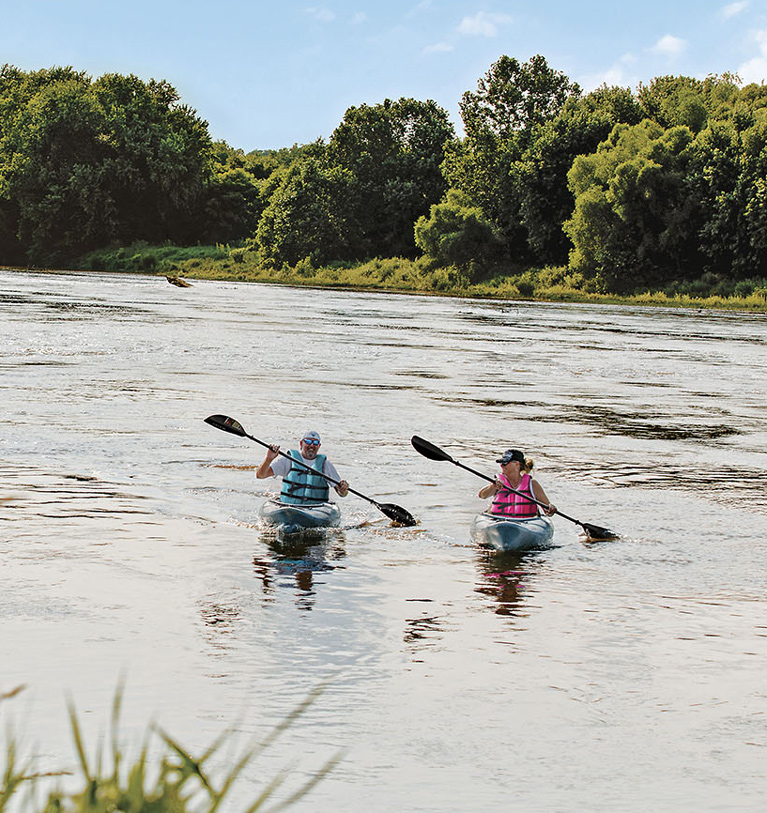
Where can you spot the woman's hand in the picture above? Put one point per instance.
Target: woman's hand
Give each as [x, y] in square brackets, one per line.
[490, 490]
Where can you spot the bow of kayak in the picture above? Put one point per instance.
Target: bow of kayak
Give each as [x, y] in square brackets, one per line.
[290, 519]
[507, 534]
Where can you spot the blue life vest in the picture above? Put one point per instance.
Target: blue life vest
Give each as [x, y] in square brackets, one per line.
[300, 485]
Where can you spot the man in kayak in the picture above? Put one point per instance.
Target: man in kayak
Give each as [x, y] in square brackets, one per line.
[515, 474]
[302, 485]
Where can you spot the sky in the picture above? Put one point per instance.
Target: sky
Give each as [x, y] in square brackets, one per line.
[266, 75]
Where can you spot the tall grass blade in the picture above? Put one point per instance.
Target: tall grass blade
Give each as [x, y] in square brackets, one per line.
[78, 740]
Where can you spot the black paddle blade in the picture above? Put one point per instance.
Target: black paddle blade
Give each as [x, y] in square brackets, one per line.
[227, 424]
[429, 449]
[597, 533]
[397, 514]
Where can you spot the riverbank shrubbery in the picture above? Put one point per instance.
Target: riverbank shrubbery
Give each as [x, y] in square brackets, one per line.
[142, 257]
[424, 276]
[656, 189]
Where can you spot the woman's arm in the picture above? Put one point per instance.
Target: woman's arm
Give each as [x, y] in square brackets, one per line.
[490, 490]
[540, 495]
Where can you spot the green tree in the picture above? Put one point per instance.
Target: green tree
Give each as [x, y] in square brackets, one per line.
[729, 170]
[540, 176]
[233, 196]
[512, 100]
[86, 163]
[52, 173]
[159, 159]
[514, 97]
[634, 219]
[393, 152]
[675, 100]
[306, 216]
[457, 233]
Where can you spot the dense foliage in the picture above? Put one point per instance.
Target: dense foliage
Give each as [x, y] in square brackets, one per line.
[84, 163]
[629, 190]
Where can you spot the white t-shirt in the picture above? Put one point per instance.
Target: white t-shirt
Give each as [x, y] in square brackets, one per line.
[281, 466]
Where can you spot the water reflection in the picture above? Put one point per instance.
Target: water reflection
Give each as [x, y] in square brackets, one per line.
[221, 621]
[424, 631]
[508, 578]
[295, 559]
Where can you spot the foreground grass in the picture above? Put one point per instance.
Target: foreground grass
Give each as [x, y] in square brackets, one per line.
[418, 276]
[172, 781]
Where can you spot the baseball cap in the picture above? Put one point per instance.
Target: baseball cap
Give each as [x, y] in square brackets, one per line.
[509, 455]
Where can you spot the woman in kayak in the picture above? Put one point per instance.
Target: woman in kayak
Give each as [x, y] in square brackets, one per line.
[512, 484]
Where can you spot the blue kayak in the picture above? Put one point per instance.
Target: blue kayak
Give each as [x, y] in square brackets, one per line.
[291, 519]
[505, 533]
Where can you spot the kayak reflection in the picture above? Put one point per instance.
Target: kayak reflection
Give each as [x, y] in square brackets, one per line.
[293, 560]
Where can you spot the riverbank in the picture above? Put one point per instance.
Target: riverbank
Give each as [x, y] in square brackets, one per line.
[400, 275]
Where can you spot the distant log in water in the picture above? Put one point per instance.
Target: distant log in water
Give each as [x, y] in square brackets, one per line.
[182, 283]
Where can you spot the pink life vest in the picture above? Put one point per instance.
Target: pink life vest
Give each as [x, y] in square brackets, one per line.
[510, 504]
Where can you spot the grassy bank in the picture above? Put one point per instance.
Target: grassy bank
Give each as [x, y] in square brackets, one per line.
[419, 276]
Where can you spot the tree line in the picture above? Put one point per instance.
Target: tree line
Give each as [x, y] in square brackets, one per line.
[624, 189]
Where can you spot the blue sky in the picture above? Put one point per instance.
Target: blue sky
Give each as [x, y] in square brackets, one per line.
[271, 74]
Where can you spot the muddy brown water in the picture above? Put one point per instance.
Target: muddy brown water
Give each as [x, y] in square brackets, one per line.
[624, 675]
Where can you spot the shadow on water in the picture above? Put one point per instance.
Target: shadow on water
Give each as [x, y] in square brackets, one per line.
[609, 421]
[36, 493]
[751, 491]
[294, 560]
[643, 426]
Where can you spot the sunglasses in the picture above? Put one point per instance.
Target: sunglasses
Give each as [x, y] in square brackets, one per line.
[311, 442]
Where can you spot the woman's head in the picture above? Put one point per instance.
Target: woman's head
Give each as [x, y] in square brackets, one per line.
[512, 458]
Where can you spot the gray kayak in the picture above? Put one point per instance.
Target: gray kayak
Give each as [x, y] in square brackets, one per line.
[505, 533]
[292, 519]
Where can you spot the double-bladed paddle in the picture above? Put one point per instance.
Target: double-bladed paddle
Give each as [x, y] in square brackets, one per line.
[395, 512]
[435, 453]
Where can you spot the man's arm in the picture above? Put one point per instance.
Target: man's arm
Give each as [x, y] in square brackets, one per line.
[265, 469]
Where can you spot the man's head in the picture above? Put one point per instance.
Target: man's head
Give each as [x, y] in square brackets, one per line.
[310, 444]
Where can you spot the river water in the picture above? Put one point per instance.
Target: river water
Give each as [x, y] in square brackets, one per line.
[625, 675]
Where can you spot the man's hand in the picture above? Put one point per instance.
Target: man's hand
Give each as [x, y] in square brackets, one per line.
[342, 488]
[272, 452]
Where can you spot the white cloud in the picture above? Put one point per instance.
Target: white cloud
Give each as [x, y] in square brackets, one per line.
[483, 24]
[755, 70]
[424, 5]
[359, 17]
[322, 15]
[669, 46]
[733, 9]
[619, 74]
[439, 48]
